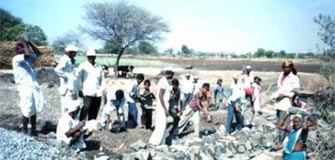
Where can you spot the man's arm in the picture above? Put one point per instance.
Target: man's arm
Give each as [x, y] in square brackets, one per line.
[35, 49]
[71, 132]
[281, 124]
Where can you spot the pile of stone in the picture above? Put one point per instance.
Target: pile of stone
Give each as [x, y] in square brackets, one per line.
[7, 52]
[245, 144]
[18, 146]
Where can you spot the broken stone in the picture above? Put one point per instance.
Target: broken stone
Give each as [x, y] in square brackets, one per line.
[138, 145]
[248, 145]
[241, 148]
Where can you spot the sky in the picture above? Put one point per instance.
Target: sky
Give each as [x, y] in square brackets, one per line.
[238, 26]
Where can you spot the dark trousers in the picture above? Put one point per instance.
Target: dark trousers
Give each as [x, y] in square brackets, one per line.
[174, 130]
[230, 117]
[146, 117]
[91, 108]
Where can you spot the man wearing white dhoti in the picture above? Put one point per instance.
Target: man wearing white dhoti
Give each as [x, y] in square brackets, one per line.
[162, 110]
[68, 88]
[31, 97]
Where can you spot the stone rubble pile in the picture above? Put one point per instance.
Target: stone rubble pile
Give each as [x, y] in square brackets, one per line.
[245, 144]
[18, 146]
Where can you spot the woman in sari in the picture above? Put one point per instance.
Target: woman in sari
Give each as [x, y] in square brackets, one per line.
[294, 143]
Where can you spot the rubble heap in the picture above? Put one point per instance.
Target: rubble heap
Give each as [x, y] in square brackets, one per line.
[7, 52]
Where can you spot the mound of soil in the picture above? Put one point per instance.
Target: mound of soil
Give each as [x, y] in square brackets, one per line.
[7, 53]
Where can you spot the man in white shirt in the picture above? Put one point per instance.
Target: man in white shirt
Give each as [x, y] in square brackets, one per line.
[31, 98]
[65, 70]
[91, 82]
[287, 81]
[234, 104]
[69, 129]
[162, 110]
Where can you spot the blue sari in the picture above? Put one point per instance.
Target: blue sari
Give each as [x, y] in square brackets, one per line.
[288, 153]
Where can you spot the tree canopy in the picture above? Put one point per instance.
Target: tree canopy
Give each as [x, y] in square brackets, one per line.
[122, 23]
[11, 26]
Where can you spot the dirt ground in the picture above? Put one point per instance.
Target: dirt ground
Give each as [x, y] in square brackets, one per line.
[10, 116]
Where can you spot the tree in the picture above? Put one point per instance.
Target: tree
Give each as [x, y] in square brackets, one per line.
[269, 54]
[122, 23]
[10, 26]
[185, 50]
[327, 35]
[327, 29]
[110, 47]
[68, 38]
[146, 48]
[260, 52]
[35, 34]
[282, 54]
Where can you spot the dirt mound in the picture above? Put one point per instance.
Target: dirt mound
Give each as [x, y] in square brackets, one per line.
[7, 53]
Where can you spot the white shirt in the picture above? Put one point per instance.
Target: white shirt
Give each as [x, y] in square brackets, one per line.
[246, 80]
[290, 82]
[91, 79]
[163, 84]
[65, 70]
[237, 93]
[23, 73]
[65, 124]
[286, 87]
[187, 86]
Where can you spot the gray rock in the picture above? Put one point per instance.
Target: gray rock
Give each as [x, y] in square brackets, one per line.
[138, 145]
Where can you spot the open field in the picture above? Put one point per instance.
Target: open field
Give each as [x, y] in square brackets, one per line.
[259, 64]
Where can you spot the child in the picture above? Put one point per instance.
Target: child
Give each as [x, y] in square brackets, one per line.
[256, 85]
[218, 93]
[146, 99]
[115, 101]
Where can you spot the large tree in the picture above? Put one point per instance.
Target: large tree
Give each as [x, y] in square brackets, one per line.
[35, 34]
[122, 23]
[10, 26]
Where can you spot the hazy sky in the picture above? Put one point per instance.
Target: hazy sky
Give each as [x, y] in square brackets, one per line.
[204, 25]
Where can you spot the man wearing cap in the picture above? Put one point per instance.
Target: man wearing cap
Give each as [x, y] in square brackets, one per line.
[187, 90]
[31, 98]
[65, 70]
[162, 110]
[287, 82]
[91, 82]
[196, 86]
[69, 129]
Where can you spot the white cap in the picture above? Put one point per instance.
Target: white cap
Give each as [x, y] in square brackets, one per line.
[72, 105]
[187, 74]
[248, 67]
[70, 48]
[195, 77]
[90, 52]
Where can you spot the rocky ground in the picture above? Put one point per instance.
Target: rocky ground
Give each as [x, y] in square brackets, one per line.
[254, 143]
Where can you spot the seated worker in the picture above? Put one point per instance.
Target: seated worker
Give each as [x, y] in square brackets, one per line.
[297, 136]
[196, 104]
[115, 101]
[69, 129]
